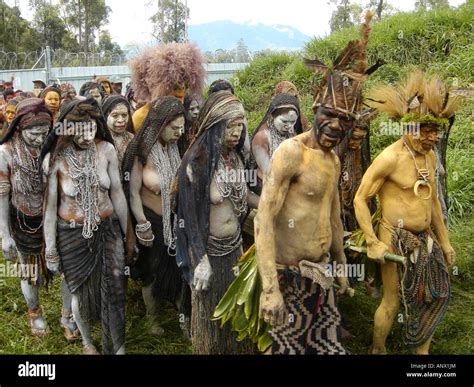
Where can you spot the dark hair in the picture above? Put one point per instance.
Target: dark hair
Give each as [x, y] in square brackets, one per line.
[8, 91]
[110, 102]
[88, 86]
[221, 85]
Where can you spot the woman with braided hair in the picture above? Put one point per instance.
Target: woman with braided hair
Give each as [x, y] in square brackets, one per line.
[281, 122]
[85, 218]
[191, 105]
[151, 161]
[286, 87]
[212, 200]
[118, 115]
[21, 205]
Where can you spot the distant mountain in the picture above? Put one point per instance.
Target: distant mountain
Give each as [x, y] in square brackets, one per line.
[225, 34]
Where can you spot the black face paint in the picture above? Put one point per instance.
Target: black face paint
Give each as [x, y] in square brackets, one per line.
[322, 124]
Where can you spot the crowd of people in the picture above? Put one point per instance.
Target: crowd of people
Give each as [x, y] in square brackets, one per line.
[99, 187]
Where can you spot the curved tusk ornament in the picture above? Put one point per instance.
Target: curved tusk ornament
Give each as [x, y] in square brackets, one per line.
[424, 184]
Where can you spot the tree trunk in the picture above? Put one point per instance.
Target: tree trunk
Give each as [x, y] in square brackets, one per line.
[79, 22]
[379, 9]
[86, 28]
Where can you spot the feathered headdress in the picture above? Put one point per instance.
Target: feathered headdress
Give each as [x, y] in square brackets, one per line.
[341, 86]
[421, 98]
[163, 69]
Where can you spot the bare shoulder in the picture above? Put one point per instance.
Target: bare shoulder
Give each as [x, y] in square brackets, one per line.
[290, 151]
[5, 153]
[59, 164]
[286, 160]
[106, 148]
[6, 149]
[260, 139]
[389, 157]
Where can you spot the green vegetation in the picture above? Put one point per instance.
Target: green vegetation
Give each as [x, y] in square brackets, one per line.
[15, 337]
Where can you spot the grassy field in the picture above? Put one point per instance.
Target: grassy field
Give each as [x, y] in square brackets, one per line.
[15, 337]
[454, 336]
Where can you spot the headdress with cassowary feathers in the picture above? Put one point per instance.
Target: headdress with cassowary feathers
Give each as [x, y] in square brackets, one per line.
[341, 86]
[163, 69]
[421, 98]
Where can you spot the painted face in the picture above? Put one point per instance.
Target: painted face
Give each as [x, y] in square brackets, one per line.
[37, 89]
[53, 101]
[35, 137]
[94, 93]
[285, 120]
[425, 142]
[69, 93]
[193, 111]
[118, 118]
[179, 93]
[10, 113]
[9, 97]
[233, 132]
[106, 87]
[331, 126]
[85, 134]
[358, 136]
[117, 87]
[173, 131]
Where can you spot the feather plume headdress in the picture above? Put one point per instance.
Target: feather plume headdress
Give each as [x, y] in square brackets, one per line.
[168, 67]
[341, 86]
[421, 99]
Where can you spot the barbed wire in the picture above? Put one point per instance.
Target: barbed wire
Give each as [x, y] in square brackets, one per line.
[59, 58]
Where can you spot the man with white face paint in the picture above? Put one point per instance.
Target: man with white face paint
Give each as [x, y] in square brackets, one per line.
[85, 220]
[152, 160]
[281, 122]
[21, 204]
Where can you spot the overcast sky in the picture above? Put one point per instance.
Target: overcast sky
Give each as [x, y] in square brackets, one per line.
[129, 19]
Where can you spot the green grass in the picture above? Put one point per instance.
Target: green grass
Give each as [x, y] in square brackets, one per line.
[15, 337]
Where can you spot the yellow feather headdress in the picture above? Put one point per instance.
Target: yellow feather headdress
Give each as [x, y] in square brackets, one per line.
[420, 98]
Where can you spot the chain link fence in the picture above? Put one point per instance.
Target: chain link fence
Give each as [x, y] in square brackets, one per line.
[59, 58]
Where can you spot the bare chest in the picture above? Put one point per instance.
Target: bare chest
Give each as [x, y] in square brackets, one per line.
[317, 177]
[71, 179]
[409, 172]
[151, 178]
